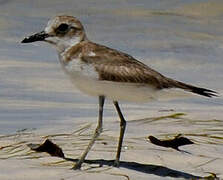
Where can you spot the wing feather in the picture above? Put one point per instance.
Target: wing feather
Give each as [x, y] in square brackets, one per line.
[113, 65]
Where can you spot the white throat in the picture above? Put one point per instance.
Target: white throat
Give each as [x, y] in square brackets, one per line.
[62, 44]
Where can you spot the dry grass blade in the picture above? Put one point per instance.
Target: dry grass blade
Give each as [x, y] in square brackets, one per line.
[122, 175]
[152, 119]
[212, 176]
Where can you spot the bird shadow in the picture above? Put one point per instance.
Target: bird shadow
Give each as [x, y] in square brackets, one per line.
[144, 168]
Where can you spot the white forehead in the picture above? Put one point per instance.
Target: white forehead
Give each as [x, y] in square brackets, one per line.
[51, 24]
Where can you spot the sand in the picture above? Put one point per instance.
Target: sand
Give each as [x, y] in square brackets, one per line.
[139, 160]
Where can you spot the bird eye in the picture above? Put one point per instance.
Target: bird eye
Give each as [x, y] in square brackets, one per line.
[62, 28]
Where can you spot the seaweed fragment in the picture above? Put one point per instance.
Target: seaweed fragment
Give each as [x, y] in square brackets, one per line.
[49, 147]
[171, 143]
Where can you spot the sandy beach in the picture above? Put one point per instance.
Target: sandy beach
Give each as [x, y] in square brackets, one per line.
[140, 159]
[182, 40]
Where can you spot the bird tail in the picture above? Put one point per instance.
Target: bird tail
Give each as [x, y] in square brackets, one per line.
[194, 89]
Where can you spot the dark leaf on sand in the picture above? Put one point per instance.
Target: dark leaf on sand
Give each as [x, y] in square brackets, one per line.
[49, 147]
[171, 143]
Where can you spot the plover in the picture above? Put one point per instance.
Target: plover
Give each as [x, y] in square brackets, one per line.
[100, 71]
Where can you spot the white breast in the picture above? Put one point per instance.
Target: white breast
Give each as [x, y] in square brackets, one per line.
[79, 69]
[83, 76]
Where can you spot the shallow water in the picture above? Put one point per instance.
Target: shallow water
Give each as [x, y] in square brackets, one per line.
[180, 39]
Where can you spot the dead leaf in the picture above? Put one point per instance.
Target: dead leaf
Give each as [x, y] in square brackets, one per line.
[49, 147]
[171, 143]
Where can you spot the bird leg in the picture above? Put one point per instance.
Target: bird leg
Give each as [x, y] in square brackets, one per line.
[122, 131]
[97, 132]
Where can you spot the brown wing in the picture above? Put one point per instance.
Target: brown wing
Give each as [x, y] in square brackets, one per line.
[113, 65]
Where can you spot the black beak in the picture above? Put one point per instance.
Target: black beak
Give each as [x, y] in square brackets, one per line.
[41, 36]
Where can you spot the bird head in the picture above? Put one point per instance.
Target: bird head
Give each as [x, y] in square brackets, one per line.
[61, 31]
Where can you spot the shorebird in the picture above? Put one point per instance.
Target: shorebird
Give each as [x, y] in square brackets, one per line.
[103, 72]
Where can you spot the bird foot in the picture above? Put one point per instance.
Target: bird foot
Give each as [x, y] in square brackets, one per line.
[77, 166]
